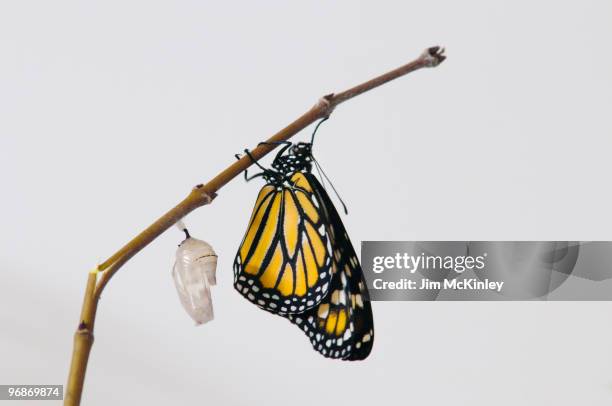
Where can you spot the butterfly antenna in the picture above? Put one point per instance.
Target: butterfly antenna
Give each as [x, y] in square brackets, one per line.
[320, 170]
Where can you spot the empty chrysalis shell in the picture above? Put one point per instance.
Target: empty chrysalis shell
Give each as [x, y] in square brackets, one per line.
[194, 273]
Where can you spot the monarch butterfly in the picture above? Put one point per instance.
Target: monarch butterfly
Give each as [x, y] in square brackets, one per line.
[297, 261]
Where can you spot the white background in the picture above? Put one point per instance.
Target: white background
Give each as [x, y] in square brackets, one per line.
[111, 111]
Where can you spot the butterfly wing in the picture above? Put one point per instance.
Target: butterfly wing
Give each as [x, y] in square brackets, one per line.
[342, 325]
[283, 264]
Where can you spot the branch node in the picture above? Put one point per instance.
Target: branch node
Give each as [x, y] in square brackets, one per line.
[324, 104]
[204, 196]
[433, 56]
[85, 332]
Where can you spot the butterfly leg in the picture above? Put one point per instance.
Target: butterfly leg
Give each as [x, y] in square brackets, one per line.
[286, 144]
[246, 171]
[265, 171]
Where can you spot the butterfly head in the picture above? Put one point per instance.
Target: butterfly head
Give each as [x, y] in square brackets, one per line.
[297, 158]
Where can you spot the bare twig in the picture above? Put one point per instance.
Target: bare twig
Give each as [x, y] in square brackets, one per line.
[199, 196]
